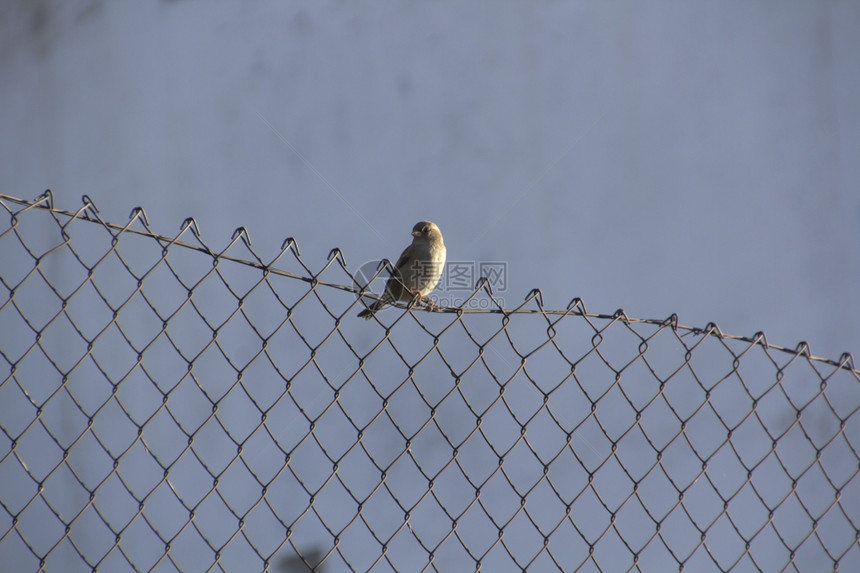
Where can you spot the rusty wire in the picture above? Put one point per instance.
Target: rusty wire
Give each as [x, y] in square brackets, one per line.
[166, 406]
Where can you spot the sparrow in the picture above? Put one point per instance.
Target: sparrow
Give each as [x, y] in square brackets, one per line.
[417, 271]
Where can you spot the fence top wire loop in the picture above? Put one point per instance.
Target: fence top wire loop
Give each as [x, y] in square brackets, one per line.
[167, 405]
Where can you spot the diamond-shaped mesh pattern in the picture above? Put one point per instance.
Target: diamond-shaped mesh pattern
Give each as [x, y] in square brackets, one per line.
[169, 407]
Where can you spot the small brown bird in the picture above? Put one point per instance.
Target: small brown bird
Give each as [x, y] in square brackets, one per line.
[418, 269]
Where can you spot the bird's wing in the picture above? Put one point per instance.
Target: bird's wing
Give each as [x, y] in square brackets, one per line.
[403, 260]
[395, 284]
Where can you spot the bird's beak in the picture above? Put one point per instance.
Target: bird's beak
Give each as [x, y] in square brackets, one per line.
[416, 234]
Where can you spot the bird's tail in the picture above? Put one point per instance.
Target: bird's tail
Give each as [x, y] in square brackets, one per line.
[368, 312]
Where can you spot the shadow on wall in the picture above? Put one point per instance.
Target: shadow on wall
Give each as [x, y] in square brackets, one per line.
[308, 561]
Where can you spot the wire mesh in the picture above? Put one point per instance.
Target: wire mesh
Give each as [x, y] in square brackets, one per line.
[169, 407]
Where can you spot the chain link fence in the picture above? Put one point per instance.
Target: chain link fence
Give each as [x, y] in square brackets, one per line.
[169, 407]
